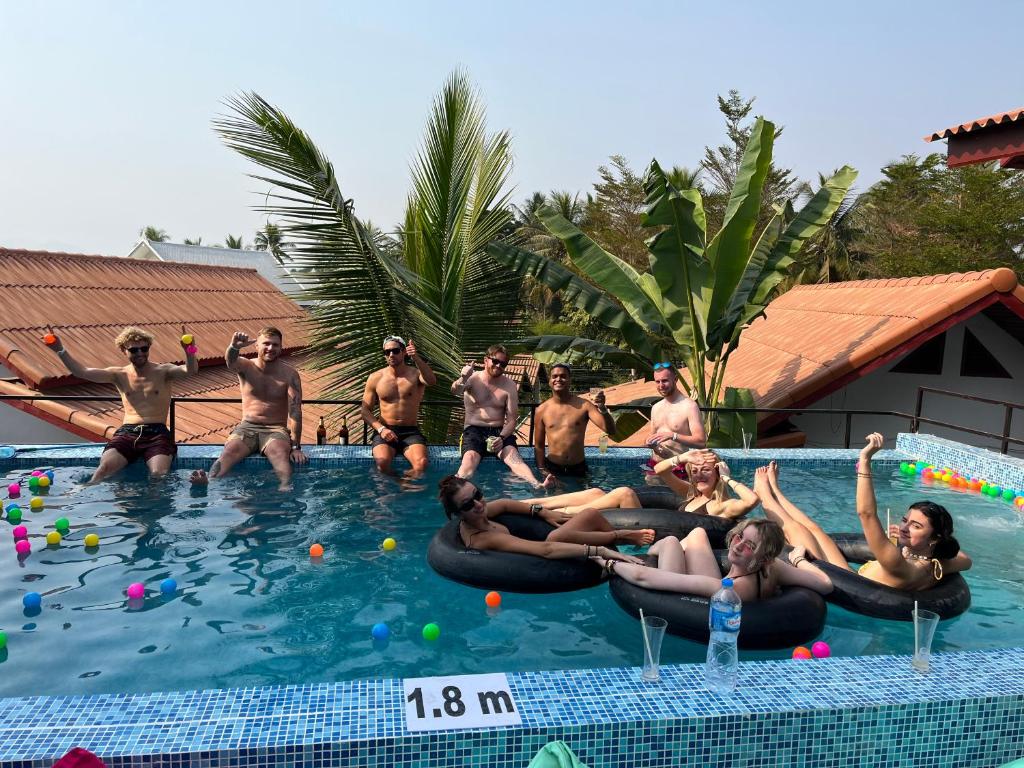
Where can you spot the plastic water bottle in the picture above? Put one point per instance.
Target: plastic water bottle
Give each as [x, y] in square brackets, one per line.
[724, 623]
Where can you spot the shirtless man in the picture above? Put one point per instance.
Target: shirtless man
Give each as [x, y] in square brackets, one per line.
[561, 423]
[145, 390]
[676, 424]
[491, 403]
[399, 389]
[271, 409]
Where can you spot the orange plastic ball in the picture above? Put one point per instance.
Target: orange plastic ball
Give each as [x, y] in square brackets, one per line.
[316, 550]
[49, 339]
[800, 652]
[493, 599]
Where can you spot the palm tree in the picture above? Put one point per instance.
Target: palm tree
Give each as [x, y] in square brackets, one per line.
[269, 239]
[193, 241]
[434, 282]
[828, 256]
[154, 235]
[230, 241]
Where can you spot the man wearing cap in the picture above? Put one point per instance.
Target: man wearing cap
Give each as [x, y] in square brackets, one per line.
[560, 424]
[676, 424]
[398, 387]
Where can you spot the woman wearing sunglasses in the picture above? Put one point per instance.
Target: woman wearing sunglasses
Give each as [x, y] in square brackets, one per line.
[585, 535]
[707, 489]
[691, 566]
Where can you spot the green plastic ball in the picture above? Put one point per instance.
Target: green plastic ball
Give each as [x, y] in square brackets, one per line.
[904, 468]
[33, 482]
[1008, 494]
[431, 631]
[14, 515]
[3, 640]
[62, 524]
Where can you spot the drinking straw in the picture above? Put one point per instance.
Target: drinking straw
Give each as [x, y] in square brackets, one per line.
[916, 630]
[888, 525]
[647, 643]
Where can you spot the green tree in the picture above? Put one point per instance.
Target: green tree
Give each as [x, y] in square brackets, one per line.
[154, 235]
[269, 239]
[235, 243]
[540, 303]
[433, 283]
[923, 218]
[698, 293]
[613, 212]
[193, 241]
[831, 255]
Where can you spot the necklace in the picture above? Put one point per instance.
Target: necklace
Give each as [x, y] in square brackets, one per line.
[936, 565]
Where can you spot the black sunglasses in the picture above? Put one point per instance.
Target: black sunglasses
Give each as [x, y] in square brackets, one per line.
[393, 351]
[137, 350]
[498, 361]
[469, 503]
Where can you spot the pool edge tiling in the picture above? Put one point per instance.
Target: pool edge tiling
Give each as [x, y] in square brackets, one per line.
[830, 712]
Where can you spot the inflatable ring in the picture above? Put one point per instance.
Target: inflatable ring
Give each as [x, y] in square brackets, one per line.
[949, 598]
[509, 571]
[793, 617]
[658, 497]
[670, 522]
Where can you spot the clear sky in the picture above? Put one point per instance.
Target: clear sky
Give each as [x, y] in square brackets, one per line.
[106, 111]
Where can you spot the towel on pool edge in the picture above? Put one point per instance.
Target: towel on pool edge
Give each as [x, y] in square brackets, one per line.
[555, 755]
[79, 758]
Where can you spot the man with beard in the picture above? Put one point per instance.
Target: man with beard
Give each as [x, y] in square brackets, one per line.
[398, 388]
[145, 390]
[560, 425]
[271, 409]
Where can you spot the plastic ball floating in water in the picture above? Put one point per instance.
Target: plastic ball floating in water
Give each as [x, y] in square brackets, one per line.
[821, 650]
[32, 600]
[800, 652]
[53, 538]
[136, 591]
[493, 599]
[92, 540]
[20, 532]
[14, 515]
[3, 640]
[33, 482]
[316, 550]
[431, 632]
[44, 481]
[380, 631]
[22, 547]
[49, 475]
[36, 504]
[1008, 494]
[168, 586]
[388, 544]
[14, 490]
[62, 524]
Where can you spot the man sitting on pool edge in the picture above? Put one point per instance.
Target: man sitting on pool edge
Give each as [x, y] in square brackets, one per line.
[271, 409]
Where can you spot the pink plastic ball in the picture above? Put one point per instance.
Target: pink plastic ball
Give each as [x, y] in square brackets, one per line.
[800, 652]
[821, 650]
[136, 591]
[191, 349]
[22, 547]
[36, 473]
[14, 490]
[20, 532]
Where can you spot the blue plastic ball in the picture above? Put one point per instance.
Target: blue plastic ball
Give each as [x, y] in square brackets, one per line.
[49, 474]
[32, 600]
[168, 586]
[380, 631]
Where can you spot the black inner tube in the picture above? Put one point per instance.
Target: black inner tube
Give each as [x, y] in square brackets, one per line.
[670, 522]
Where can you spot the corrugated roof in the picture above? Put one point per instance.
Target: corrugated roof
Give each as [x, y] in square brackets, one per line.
[262, 261]
[89, 299]
[814, 335]
[982, 122]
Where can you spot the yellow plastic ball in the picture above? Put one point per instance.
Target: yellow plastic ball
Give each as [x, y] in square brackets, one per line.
[187, 339]
[44, 481]
[36, 504]
[389, 544]
[53, 537]
[92, 540]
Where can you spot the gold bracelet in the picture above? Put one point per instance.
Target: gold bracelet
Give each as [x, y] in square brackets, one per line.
[864, 474]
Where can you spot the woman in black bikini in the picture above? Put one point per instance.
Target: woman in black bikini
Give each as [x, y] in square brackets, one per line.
[690, 566]
[707, 489]
[586, 534]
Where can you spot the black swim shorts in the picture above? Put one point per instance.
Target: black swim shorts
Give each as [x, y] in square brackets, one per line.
[142, 441]
[406, 436]
[474, 438]
[567, 470]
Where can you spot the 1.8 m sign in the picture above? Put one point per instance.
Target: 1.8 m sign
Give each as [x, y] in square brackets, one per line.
[462, 701]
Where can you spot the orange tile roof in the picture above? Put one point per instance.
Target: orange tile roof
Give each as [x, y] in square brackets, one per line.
[982, 122]
[816, 336]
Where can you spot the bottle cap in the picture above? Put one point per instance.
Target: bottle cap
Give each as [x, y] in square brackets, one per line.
[727, 582]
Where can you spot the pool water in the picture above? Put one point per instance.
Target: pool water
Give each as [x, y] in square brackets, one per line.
[254, 609]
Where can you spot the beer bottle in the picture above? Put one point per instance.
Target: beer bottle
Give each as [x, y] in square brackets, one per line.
[321, 432]
[343, 432]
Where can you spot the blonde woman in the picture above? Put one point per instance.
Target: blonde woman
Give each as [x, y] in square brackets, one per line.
[709, 487]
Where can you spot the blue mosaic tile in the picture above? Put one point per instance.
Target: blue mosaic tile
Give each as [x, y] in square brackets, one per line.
[968, 460]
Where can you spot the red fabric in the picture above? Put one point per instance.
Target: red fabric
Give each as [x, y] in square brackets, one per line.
[79, 758]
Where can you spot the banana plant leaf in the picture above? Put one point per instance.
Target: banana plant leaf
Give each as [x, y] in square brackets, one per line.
[574, 350]
[627, 423]
[727, 428]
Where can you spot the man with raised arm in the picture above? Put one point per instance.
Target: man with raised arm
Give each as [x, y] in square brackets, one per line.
[398, 388]
[271, 409]
[491, 403]
[145, 390]
[676, 424]
[560, 425]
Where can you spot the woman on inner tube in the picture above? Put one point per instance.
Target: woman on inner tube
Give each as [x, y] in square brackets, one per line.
[586, 534]
[707, 489]
[691, 566]
[925, 550]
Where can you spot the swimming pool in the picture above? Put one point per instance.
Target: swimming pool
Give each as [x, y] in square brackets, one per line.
[253, 609]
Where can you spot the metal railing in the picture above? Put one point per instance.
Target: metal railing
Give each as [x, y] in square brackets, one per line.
[914, 419]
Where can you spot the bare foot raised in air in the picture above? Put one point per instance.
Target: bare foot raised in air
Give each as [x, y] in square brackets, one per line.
[762, 487]
[773, 474]
[199, 477]
[638, 538]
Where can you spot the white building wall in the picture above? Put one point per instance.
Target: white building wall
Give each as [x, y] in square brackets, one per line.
[20, 428]
[887, 391]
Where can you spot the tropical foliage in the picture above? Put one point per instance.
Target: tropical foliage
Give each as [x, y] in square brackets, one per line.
[433, 282]
[154, 234]
[698, 293]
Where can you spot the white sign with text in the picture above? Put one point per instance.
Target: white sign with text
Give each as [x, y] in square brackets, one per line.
[459, 701]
